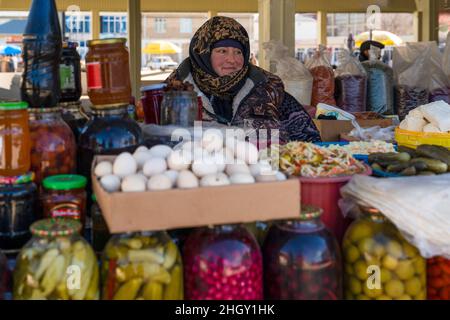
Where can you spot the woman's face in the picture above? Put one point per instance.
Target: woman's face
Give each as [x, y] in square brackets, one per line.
[226, 60]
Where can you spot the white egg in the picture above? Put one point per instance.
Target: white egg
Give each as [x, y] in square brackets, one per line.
[247, 152]
[110, 183]
[190, 145]
[219, 160]
[141, 149]
[133, 183]
[215, 180]
[235, 168]
[199, 153]
[267, 177]
[242, 178]
[154, 166]
[159, 182]
[204, 167]
[231, 143]
[161, 151]
[187, 180]
[179, 160]
[141, 157]
[281, 176]
[103, 168]
[173, 175]
[124, 165]
[212, 140]
[262, 167]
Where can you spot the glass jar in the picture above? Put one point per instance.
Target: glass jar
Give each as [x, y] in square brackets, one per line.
[4, 275]
[100, 232]
[14, 139]
[64, 196]
[70, 73]
[151, 99]
[259, 230]
[222, 263]
[142, 266]
[73, 115]
[108, 132]
[47, 264]
[53, 146]
[302, 260]
[18, 201]
[179, 108]
[379, 263]
[438, 278]
[108, 72]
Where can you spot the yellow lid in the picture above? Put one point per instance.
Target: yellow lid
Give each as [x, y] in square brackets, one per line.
[97, 42]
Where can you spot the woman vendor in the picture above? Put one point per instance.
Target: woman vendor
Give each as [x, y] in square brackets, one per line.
[235, 92]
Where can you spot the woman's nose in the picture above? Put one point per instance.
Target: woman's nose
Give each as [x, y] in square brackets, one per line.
[230, 57]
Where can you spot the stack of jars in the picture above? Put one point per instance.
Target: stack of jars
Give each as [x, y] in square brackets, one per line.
[18, 193]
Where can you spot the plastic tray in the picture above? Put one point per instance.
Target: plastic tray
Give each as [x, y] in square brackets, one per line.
[414, 139]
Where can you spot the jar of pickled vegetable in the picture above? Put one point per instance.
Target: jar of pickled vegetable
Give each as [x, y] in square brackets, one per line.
[259, 230]
[108, 132]
[438, 278]
[14, 139]
[302, 260]
[53, 146]
[64, 196]
[18, 200]
[73, 115]
[57, 263]
[4, 275]
[108, 72]
[100, 232]
[142, 266]
[379, 263]
[222, 263]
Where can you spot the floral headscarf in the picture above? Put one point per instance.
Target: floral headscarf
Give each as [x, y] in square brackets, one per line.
[213, 30]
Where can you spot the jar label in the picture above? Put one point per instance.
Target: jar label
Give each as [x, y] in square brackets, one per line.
[94, 75]
[67, 77]
[66, 210]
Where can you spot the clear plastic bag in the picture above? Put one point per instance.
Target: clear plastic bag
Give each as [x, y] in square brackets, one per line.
[351, 83]
[418, 206]
[297, 80]
[380, 84]
[323, 75]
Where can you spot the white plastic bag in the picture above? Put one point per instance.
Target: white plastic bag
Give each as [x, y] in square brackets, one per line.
[296, 77]
[418, 206]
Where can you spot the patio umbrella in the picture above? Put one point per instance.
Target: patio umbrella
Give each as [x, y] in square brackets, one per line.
[161, 47]
[10, 50]
[385, 37]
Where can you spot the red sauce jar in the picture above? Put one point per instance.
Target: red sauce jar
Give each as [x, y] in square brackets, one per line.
[151, 99]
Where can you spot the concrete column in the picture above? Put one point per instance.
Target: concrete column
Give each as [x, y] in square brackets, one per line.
[430, 19]
[276, 22]
[322, 27]
[134, 41]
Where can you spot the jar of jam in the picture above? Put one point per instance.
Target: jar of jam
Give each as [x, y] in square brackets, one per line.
[55, 258]
[53, 146]
[142, 266]
[64, 196]
[73, 115]
[108, 72]
[100, 232]
[14, 139]
[18, 202]
[438, 278]
[222, 263]
[302, 260]
[108, 132]
[151, 99]
[70, 73]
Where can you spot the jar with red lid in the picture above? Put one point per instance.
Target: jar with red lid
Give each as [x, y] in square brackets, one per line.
[53, 146]
[64, 196]
[14, 139]
[222, 263]
[438, 278]
[108, 72]
[302, 260]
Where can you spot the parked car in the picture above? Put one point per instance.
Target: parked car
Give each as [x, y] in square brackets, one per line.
[162, 62]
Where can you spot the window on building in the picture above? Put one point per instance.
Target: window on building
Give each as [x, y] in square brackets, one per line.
[113, 24]
[160, 25]
[185, 25]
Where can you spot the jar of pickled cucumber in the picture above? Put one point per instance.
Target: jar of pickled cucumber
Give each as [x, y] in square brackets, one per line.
[142, 266]
[379, 263]
[438, 278]
[302, 260]
[56, 264]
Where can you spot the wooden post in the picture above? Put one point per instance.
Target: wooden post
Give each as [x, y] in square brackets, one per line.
[134, 41]
[322, 27]
[95, 24]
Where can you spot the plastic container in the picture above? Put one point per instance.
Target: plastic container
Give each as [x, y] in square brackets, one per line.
[14, 139]
[142, 266]
[222, 263]
[47, 261]
[379, 263]
[414, 139]
[302, 260]
[438, 279]
[325, 193]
